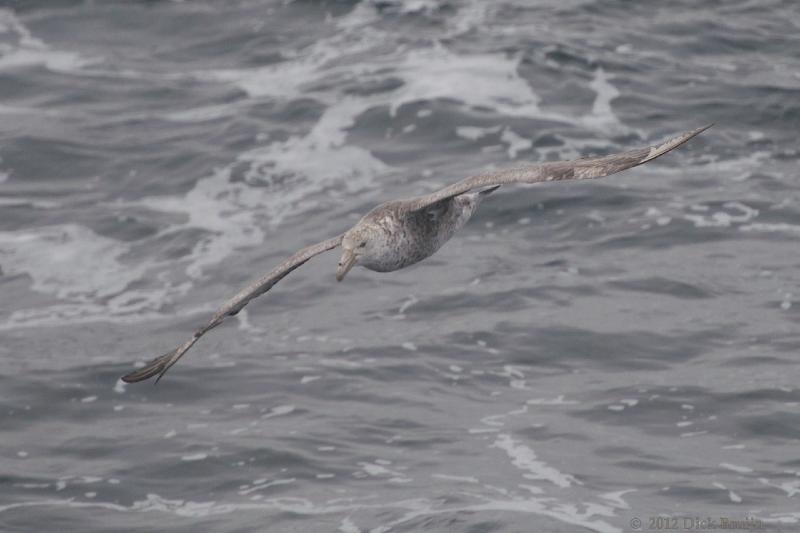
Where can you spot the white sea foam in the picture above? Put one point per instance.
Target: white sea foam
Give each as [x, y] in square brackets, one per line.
[194, 457]
[375, 469]
[791, 488]
[516, 143]
[436, 72]
[736, 468]
[70, 262]
[734, 213]
[347, 526]
[742, 168]
[770, 228]
[602, 116]
[203, 114]
[735, 498]
[460, 479]
[616, 498]
[261, 484]
[473, 133]
[223, 209]
[279, 410]
[558, 400]
[25, 50]
[88, 275]
[525, 459]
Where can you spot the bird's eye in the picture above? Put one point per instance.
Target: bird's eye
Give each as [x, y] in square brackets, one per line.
[363, 244]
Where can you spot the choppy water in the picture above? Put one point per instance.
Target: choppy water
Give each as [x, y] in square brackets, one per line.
[583, 354]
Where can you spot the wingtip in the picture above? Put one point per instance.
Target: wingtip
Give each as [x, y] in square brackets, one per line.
[704, 128]
[157, 366]
[669, 145]
[693, 133]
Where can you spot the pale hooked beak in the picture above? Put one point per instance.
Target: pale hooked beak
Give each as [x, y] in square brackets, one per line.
[345, 264]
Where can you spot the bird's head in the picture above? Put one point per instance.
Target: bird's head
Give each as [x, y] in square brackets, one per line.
[357, 243]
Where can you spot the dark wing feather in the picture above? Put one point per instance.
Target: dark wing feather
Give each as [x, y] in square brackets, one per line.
[579, 169]
[160, 365]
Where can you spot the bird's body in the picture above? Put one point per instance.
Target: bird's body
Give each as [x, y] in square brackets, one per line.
[404, 236]
[399, 233]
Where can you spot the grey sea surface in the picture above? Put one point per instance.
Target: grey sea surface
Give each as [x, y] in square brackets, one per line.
[581, 356]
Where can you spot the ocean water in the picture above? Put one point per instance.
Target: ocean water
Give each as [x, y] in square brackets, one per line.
[581, 356]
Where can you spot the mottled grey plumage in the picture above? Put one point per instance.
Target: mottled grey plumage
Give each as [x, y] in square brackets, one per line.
[399, 233]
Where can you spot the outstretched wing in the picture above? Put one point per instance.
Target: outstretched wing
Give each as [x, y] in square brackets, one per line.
[579, 169]
[160, 365]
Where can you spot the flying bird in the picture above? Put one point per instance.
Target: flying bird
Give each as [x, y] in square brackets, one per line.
[399, 233]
